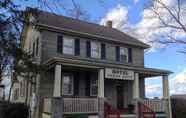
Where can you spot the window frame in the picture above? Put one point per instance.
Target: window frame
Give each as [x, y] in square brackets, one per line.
[93, 85]
[72, 85]
[72, 52]
[98, 44]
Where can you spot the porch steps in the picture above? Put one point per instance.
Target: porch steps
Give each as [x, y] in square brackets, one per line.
[124, 116]
[158, 115]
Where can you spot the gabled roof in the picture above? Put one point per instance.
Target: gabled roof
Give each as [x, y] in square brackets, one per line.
[112, 34]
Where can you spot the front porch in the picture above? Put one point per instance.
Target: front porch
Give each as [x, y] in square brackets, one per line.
[90, 90]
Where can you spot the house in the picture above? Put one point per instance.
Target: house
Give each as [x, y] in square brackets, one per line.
[91, 71]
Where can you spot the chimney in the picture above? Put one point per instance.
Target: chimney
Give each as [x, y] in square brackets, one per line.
[109, 24]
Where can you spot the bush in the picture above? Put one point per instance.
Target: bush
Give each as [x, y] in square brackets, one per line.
[13, 110]
[178, 107]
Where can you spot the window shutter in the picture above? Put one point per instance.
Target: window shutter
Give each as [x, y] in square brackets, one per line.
[117, 53]
[103, 51]
[87, 79]
[88, 48]
[37, 46]
[77, 47]
[76, 83]
[130, 55]
[59, 44]
[33, 49]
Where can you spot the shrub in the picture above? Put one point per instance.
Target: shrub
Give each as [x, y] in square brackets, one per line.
[178, 107]
[13, 110]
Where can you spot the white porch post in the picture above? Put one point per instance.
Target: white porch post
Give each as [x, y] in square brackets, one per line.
[101, 83]
[136, 88]
[165, 86]
[101, 93]
[166, 95]
[57, 81]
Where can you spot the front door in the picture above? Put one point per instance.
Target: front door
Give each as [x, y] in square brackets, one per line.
[120, 96]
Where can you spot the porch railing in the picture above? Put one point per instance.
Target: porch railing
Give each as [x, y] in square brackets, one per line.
[74, 105]
[80, 105]
[158, 105]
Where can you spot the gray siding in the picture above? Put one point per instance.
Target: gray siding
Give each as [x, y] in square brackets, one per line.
[49, 49]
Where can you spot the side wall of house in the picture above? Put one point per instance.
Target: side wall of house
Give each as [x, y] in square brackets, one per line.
[49, 49]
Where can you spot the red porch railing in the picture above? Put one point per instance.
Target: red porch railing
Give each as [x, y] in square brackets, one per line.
[111, 112]
[145, 111]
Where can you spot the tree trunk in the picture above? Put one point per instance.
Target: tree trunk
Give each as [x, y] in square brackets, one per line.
[10, 91]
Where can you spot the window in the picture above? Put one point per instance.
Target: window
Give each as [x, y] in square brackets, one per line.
[68, 46]
[67, 84]
[16, 94]
[93, 87]
[95, 50]
[123, 54]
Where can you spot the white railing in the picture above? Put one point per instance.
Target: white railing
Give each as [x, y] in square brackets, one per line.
[74, 105]
[80, 105]
[157, 105]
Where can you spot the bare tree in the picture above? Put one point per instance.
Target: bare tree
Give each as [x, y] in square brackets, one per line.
[172, 16]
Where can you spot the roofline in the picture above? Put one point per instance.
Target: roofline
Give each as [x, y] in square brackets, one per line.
[143, 45]
[96, 64]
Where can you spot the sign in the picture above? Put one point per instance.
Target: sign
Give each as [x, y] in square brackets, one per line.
[121, 74]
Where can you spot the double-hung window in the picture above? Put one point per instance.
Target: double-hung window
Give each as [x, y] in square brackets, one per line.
[67, 84]
[68, 45]
[123, 54]
[95, 50]
[93, 87]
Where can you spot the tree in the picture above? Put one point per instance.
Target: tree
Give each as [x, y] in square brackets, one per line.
[12, 57]
[171, 14]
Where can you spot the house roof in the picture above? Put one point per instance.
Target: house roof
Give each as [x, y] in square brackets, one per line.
[58, 21]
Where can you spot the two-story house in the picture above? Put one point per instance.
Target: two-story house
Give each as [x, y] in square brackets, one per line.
[91, 71]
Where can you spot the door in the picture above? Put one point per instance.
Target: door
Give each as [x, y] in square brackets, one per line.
[120, 96]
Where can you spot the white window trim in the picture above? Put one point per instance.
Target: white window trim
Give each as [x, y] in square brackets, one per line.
[73, 45]
[72, 87]
[125, 54]
[99, 46]
[91, 93]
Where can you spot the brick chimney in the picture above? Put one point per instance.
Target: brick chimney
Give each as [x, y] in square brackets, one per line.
[109, 23]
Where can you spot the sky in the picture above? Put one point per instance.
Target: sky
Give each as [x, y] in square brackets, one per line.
[130, 16]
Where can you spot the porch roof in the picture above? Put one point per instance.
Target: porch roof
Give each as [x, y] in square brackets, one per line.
[88, 63]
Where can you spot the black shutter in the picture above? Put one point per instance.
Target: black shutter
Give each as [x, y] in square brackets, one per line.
[88, 47]
[130, 55]
[103, 51]
[33, 49]
[87, 87]
[76, 83]
[77, 47]
[37, 46]
[59, 44]
[117, 53]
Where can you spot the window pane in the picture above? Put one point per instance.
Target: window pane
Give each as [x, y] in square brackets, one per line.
[67, 85]
[123, 54]
[95, 49]
[94, 87]
[68, 46]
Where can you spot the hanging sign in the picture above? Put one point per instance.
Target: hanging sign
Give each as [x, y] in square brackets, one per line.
[112, 73]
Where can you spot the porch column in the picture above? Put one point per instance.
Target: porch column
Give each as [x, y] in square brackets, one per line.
[166, 95]
[101, 83]
[136, 86]
[165, 86]
[57, 81]
[101, 93]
